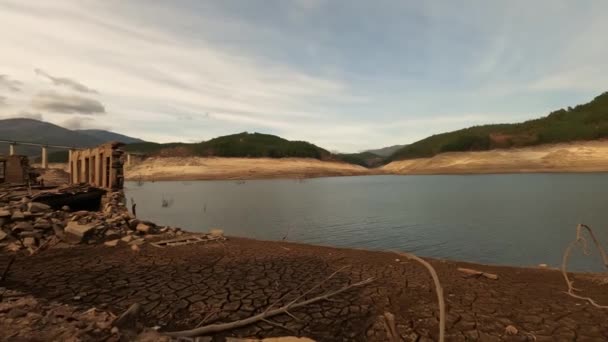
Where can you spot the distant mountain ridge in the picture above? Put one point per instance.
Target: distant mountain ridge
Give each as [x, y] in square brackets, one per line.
[30, 130]
[110, 136]
[386, 151]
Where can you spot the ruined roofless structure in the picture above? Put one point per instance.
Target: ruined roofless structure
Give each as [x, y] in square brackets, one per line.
[100, 166]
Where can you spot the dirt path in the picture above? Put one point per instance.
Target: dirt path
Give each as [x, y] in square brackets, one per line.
[178, 286]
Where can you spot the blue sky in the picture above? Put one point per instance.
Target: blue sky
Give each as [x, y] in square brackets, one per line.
[346, 75]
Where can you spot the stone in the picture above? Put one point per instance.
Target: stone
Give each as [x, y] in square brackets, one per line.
[26, 234]
[17, 313]
[127, 238]
[111, 243]
[3, 235]
[133, 223]
[17, 215]
[135, 248]
[23, 226]
[5, 213]
[43, 225]
[13, 247]
[511, 330]
[143, 228]
[76, 232]
[36, 207]
[65, 208]
[29, 241]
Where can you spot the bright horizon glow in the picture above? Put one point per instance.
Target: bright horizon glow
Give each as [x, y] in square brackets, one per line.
[344, 75]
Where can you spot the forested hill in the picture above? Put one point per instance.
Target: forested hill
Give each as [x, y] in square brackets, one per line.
[584, 122]
[249, 145]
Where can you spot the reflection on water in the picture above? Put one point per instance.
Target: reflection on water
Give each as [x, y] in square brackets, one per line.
[520, 219]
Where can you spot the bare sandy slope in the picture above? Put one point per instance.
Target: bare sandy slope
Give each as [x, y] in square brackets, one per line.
[589, 156]
[195, 168]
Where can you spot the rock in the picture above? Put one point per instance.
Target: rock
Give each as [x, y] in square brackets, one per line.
[111, 243]
[3, 235]
[143, 228]
[17, 313]
[26, 234]
[76, 232]
[511, 330]
[17, 215]
[65, 208]
[29, 242]
[5, 213]
[127, 238]
[23, 226]
[133, 223]
[135, 248]
[114, 331]
[43, 225]
[543, 265]
[112, 234]
[36, 207]
[13, 247]
[216, 232]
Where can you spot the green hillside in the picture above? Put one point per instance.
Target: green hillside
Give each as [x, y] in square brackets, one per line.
[248, 145]
[584, 122]
[365, 159]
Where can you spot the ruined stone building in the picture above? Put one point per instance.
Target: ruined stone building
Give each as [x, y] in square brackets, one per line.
[101, 166]
[15, 169]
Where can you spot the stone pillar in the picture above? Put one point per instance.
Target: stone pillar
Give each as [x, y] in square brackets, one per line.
[11, 149]
[71, 165]
[45, 158]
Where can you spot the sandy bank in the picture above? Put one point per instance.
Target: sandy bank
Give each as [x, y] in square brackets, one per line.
[589, 156]
[196, 168]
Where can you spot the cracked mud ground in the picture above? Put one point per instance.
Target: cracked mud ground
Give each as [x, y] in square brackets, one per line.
[179, 286]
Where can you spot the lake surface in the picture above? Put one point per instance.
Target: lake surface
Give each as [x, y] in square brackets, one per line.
[513, 219]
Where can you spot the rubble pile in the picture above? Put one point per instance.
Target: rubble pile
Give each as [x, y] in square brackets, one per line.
[25, 224]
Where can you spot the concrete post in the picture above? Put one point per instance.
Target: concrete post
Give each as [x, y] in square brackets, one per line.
[11, 149]
[71, 166]
[45, 158]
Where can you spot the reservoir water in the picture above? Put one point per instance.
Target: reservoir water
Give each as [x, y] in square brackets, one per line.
[511, 219]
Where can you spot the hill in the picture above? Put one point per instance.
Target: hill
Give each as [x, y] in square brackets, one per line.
[247, 145]
[386, 151]
[582, 123]
[41, 132]
[104, 135]
[365, 159]
[30, 130]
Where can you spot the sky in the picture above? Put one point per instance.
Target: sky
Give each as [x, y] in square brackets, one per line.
[347, 75]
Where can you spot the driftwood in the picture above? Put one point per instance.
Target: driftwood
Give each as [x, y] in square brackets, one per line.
[438, 290]
[475, 273]
[269, 312]
[580, 240]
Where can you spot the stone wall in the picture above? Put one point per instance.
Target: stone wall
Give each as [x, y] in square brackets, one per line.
[101, 166]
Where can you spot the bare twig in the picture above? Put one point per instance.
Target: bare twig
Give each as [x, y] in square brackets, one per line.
[580, 240]
[214, 328]
[438, 289]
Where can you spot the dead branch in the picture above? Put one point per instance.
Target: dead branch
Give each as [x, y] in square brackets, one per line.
[263, 317]
[438, 289]
[8, 267]
[580, 240]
